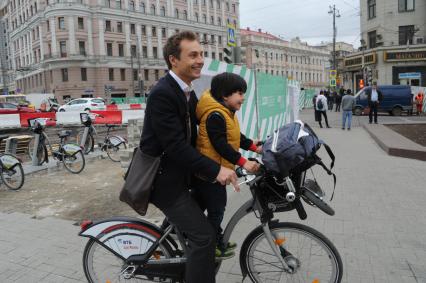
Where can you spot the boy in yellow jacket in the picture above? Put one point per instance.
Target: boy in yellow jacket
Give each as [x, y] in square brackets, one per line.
[219, 138]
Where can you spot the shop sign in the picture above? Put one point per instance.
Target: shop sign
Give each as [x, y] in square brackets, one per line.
[405, 56]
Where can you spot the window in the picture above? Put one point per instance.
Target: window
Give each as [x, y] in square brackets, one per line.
[80, 23]
[121, 50]
[132, 29]
[155, 52]
[204, 18]
[219, 39]
[133, 51]
[118, 4]
[82, 48]
[212, 20]
[227, 6]
[135, 75]
[220, 56]
[119, 27]
[61, 23]
[83, 72]
[157, 75]
[63, 48]
[108, 3]
[107, 25]
[219, 21]
[405, 5]
[371, 9]
[406, 34]
[64, 73]
[154, 31]
[153, 9]
[163, 32]
[233, 8]
[111, 74]
[372, 39]
[196, 17]
[176, 13]
[212, 39]
[146, 74]
[123, 74]
[163, 11]
[131, 5]
[185, 15]
[109, 49]
[143, 29]
[144, 52]
[214, 55]
[142, 7]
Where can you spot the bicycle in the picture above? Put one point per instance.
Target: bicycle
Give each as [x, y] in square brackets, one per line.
[11, 171]
[125, 248]
[112, 144]
[71, 155]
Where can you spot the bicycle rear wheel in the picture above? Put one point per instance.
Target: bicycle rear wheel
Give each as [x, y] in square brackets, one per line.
[13, 177]
[312, 257]
[101, 265]
[75, 162]
[113, 151]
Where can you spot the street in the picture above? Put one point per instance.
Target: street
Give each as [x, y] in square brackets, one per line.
[377, 228]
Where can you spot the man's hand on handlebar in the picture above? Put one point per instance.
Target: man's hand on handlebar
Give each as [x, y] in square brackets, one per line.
[227, 176]
[251, 166]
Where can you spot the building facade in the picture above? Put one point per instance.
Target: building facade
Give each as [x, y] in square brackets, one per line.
[106, 48]
[6, 81]
[293, 59]
[393, 44]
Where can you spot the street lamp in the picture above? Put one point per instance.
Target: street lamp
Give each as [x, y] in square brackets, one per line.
[335, 13]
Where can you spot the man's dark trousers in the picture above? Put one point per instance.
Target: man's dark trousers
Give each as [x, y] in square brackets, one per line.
[373, 108]
[185, 213]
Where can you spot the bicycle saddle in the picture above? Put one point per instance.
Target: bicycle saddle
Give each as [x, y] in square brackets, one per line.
[64, 133]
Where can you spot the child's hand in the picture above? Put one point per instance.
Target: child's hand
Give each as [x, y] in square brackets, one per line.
[251, 166]
[259, 149]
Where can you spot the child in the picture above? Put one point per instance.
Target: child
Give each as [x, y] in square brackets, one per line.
[219, 138]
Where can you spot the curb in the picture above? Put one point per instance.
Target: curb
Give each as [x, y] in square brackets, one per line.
[395, 144]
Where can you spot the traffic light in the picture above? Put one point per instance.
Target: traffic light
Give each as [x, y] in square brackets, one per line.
[228, 55]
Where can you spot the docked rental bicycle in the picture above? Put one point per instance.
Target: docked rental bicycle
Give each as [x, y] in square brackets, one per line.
[112, 144]
[11, 171]
[125, 249]
[71, 155]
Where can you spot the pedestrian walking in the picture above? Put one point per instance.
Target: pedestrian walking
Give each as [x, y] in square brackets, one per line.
[339, 99]
[170, 131]
[348, 104]
[314, 101]
[321, 107]
[419, 102]
[374, 97]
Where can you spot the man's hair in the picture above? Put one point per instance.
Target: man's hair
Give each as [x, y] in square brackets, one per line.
[172, 46]
[225, 84]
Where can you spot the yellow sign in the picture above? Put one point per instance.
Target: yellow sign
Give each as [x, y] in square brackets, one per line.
[232, 38]
[333, 73]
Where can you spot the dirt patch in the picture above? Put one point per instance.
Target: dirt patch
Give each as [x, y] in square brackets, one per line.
[414, 132]
[92, 194]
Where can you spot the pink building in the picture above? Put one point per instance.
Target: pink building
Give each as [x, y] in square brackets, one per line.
[84, 48]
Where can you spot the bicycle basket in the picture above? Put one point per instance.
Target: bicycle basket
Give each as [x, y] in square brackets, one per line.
[37, 123]
[272, 195]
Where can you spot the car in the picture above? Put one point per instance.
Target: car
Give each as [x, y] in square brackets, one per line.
[83, 104]
[396, 99]
[11, 108]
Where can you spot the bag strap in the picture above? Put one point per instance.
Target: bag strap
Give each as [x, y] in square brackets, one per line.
[319, 162]
[329, 151]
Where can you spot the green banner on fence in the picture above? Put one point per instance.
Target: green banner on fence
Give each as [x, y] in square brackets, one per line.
[272, 94]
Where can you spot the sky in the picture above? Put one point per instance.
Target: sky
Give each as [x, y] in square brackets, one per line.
[307, 19]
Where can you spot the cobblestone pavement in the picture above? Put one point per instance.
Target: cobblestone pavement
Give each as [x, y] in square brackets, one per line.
[379, 227]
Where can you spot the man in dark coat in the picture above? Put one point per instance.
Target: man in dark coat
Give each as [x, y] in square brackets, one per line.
[170, 129]
[374, 97]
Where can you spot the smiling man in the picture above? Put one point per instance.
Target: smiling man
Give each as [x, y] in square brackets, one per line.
[170, 130]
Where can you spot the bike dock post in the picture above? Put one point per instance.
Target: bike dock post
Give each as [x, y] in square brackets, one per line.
[84, 137]
[35, 161]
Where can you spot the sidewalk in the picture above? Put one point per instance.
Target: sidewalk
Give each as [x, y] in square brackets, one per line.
[379, 228]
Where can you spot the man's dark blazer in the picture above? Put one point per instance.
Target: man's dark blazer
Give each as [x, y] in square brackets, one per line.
[165, 130]
[379, 95]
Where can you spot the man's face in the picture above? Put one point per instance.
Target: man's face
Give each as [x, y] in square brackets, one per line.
[191, 61]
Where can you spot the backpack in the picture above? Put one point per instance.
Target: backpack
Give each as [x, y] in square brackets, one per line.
[320, 105]
[292, 150]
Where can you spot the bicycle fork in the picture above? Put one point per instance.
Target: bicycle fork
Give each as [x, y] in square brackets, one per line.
[276, 246]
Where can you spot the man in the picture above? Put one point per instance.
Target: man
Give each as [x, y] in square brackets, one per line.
[419, 102]
[374, 97]
[321, 107]
[170, 129]
[348, 103]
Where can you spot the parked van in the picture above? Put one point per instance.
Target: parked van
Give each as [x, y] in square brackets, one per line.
[396, 99]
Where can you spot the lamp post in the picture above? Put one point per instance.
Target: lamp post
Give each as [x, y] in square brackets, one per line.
[335, 13]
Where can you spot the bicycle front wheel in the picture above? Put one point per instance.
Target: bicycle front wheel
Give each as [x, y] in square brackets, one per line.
[14, 177]
[309, 254]
[113, 151]
[101, 265]
[75, 162]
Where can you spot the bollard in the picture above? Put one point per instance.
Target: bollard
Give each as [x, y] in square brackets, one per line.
[11, 145]
[34, 154]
